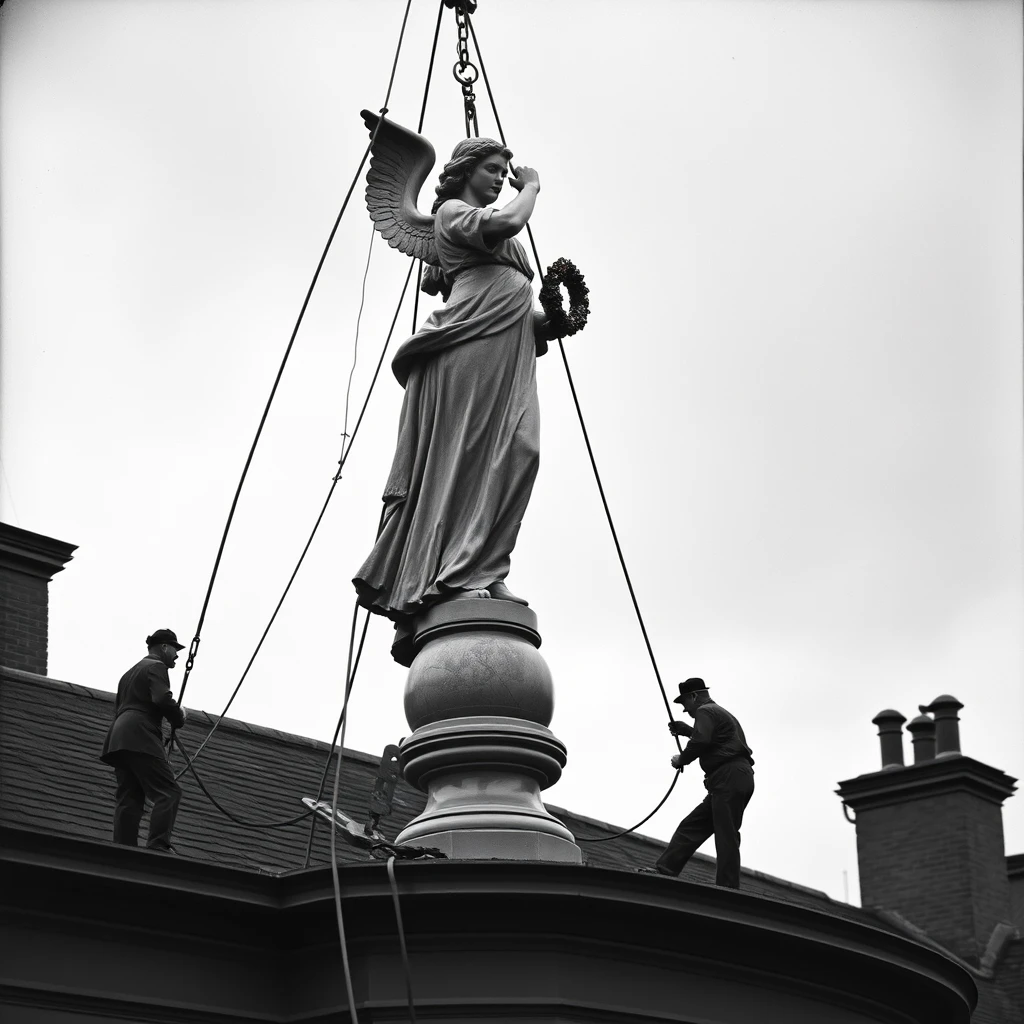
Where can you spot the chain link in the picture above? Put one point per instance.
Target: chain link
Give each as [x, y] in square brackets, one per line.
[464, 71]
[192, 652]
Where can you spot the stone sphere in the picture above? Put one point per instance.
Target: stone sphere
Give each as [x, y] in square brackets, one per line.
[480, 672]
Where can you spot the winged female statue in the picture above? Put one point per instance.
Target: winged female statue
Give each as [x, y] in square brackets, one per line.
[469, 433]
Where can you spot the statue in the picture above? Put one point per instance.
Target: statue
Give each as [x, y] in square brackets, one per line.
[469, 433]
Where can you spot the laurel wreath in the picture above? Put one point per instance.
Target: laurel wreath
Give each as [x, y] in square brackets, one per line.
[562, 323]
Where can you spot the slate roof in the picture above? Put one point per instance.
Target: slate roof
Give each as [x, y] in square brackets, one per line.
[51, 780]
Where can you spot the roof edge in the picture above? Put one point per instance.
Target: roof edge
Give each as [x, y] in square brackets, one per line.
[707, 858]
[1002, 935]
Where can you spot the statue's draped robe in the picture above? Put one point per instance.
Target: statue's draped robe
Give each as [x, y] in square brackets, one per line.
[469, 434]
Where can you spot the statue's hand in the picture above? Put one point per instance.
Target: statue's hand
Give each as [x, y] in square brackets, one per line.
[523, 176]
[542, 326]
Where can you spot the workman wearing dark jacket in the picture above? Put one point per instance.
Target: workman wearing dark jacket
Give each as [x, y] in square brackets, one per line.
[135, 745]
[717, 739]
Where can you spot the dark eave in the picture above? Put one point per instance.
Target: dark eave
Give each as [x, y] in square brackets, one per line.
[523, 907]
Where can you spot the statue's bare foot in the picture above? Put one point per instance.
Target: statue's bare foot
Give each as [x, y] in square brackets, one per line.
[462, 595]
[501, 593]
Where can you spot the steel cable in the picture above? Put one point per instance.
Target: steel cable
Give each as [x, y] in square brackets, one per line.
[220, 807]
[579, 413]
[316, 526]
[349, 681]
[346, 447]
[194, 648]
[593, 463]
[415, 316]
[401, 939]
[626, 831]
[355, 345]
[334, 740]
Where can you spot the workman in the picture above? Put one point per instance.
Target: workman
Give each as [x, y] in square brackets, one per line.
[135, 745]
[716, 737]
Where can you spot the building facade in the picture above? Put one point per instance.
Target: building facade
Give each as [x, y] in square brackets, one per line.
[241, 925]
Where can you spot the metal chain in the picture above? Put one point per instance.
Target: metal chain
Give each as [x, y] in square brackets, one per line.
[464, 71]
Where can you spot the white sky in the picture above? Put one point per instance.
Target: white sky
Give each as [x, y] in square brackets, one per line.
[801, 227]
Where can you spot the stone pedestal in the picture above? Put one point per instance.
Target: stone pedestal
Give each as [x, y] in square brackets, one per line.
[479, 698]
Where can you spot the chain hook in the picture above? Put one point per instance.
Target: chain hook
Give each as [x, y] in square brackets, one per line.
[192, 652]
[464, 71]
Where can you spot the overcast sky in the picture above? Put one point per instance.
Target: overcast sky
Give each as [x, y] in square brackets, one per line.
[801, 227]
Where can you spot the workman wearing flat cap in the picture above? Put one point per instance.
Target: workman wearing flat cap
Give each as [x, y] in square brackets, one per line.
[717, 739]
[135, 745]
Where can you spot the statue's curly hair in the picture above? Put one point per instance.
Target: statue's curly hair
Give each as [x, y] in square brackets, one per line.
[465, 157]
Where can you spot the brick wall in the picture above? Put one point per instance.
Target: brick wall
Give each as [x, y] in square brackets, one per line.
[23, 621]
[939, 861]
[28, 561]
[1015, 870]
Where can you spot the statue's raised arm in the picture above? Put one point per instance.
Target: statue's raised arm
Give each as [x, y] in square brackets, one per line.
[400, 161]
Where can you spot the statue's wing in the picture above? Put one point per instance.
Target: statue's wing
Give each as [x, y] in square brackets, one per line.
[399, 164]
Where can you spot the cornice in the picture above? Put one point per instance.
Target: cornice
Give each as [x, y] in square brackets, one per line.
[955, 774]
[32, 553]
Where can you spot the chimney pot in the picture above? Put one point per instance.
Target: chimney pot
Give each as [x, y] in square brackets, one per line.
[890, 737]
[947, 725]
[922, 729]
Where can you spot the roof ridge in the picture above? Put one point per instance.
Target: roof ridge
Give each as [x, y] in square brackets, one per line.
[17, 675]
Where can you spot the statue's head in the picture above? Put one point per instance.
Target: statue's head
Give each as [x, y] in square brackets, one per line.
[464, 160]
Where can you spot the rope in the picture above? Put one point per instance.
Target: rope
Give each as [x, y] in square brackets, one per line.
[316, 526]
[346, 447]
[346, 450]
[625, 832]
[350, 667]
[334, 829]
[220, 807]
[334, 740]
[597, 474]
[355, 344]
[583, 426]
[419, 129]
[430, 67]
[194, 648]
[401, 939]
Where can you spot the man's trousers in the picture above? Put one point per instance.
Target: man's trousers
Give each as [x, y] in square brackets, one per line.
[140, 776]
[730, 788]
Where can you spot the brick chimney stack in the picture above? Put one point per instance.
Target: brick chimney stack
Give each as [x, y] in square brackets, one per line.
[930, 834]
[28, 561]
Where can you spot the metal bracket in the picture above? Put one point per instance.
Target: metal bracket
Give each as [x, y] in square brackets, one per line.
[365, 837]
[362, 836]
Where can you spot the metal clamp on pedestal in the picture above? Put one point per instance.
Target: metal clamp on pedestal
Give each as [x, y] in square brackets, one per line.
[366, 837]
[383, 796]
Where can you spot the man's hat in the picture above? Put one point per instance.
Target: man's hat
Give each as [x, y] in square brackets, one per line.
[164, 636]
[692, 685]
